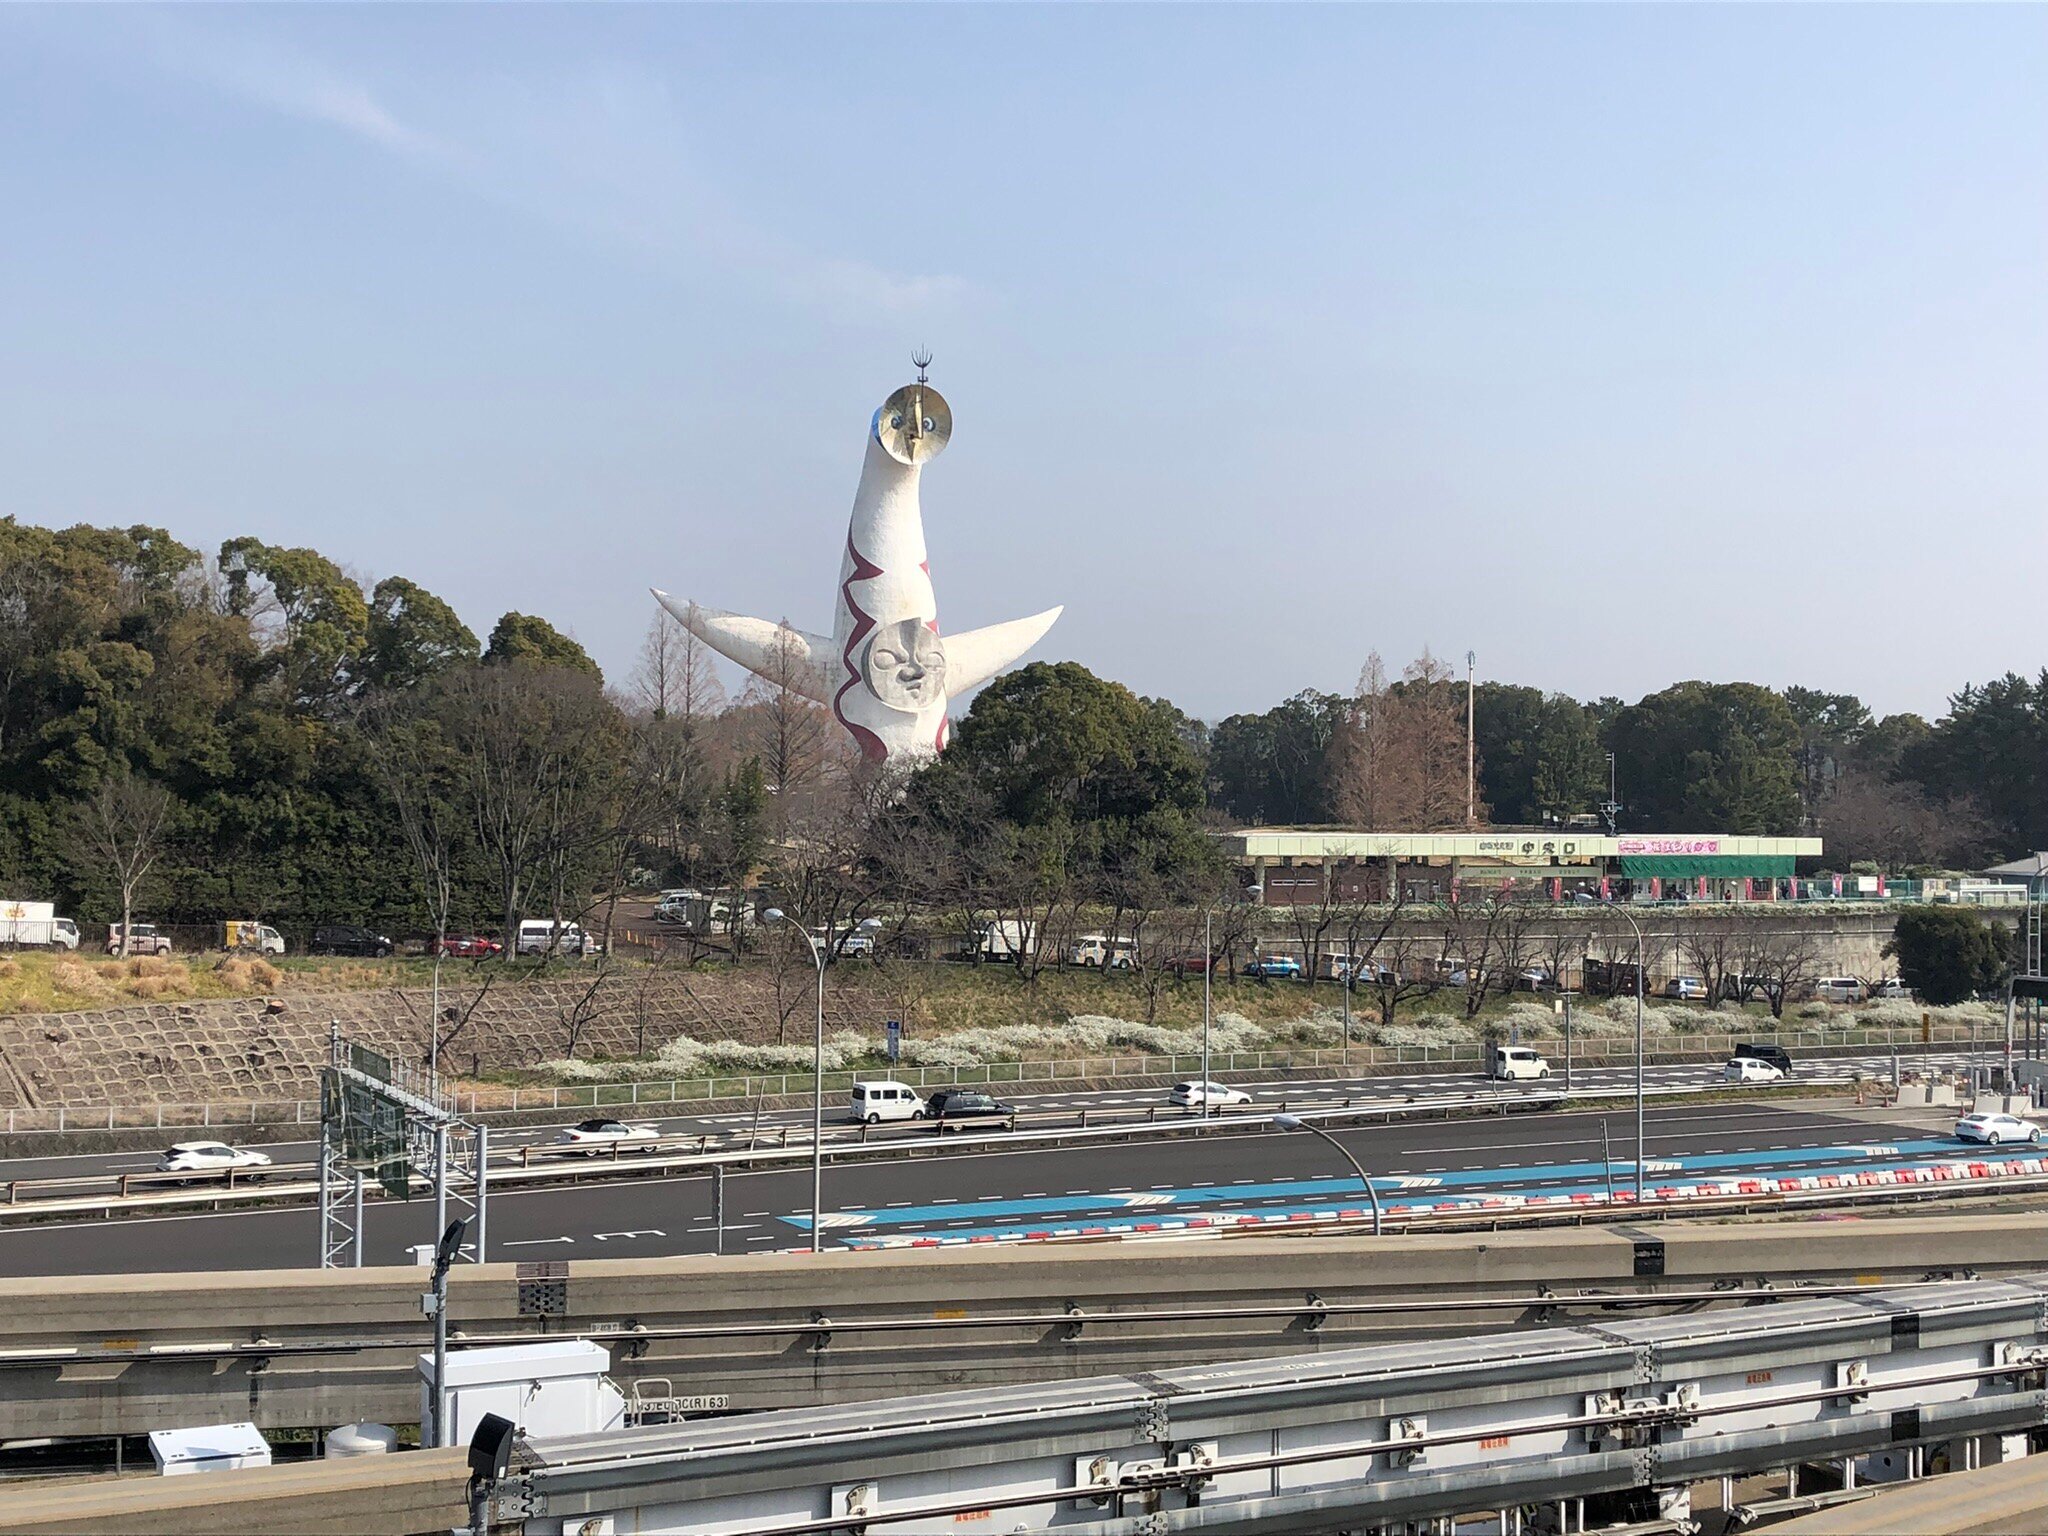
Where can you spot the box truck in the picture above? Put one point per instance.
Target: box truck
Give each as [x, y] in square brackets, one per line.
[258, 938]
[36, 922]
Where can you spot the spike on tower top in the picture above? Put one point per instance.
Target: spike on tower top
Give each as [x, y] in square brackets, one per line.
[922, 358]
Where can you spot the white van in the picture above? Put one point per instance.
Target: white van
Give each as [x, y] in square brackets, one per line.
[1095, 951]
[1512, 1062]
[886, 1099]
[535, 932]
[1839, 989]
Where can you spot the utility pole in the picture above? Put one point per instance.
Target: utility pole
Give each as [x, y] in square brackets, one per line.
[1471, 746]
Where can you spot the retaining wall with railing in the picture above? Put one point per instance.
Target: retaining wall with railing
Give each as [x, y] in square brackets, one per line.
[743, 1091]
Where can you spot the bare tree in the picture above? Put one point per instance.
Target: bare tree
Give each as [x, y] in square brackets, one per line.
[1398, 755]
[789, 727]
[124, 829]
[420, 777]
[1403, 966]
[536, 747]
[1717, 949]
[674, 679]
[1489, 939]
[1787, 959]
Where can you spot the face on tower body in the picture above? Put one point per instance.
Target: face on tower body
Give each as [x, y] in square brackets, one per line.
[905, 666]
[914, 424]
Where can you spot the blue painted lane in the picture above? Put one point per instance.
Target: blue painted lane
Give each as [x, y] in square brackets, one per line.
[1902, 1172]
[1542, 1176]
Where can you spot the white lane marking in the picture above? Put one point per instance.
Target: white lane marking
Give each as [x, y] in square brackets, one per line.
[534, 1242]
[605, 1237]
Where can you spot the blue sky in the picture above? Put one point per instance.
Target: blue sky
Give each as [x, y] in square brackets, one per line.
[1619, 344]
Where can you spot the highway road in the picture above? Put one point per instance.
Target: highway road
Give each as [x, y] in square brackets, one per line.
[1309, 1093]
[977, 1193]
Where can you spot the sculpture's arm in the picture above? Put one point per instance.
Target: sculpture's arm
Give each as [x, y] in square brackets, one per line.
[974, 656]
[776, 652]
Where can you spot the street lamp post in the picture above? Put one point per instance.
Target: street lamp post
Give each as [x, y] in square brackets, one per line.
[1251, 892]
[1208, 965]
[866, 925]
[1296, 1123]
[1638, 927]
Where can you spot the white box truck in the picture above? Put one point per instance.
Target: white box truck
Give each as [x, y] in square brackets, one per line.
[37, 923]
[243, 934]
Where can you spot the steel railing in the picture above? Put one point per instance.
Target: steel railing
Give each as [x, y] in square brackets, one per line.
[1364, 1060]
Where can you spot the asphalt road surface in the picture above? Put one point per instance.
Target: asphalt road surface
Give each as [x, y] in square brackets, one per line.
[1306, 1093]
[994, 1191]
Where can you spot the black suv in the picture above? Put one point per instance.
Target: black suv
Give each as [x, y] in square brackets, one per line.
[348, 939]
[965, 1104]
[1773, 1054]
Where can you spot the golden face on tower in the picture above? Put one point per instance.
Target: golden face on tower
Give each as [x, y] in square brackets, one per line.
[914, 424]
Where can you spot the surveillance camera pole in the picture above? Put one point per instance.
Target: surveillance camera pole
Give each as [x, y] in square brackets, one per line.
[435, 1304]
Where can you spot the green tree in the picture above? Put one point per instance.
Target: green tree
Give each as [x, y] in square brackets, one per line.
[1718, 755]
[1949, 954]
[413, 636]
[1053, 740]
[310, 611]
[1992, 746]
[522, 637]
[1273, 769]
[1540, 754]
[1830, 727]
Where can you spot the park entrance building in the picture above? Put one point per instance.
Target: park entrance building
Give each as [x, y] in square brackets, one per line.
[1296, 866]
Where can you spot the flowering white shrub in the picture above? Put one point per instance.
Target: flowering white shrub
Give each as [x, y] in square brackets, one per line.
[1899, 1013]
[1435, 1030]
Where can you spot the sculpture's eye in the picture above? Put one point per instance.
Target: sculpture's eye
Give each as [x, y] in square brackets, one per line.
[896, 421]
[929, 426]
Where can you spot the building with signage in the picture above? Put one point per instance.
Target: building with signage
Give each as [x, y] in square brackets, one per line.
[1292, 866]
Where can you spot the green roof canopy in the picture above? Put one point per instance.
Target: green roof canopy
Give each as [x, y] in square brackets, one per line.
[1715, 866]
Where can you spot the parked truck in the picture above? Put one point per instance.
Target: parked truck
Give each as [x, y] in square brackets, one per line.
[36, 923]
[253, 937]
[1006, 938]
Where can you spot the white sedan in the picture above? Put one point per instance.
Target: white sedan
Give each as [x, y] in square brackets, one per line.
[594, 1136]
[1991, 1129]
[1199, 1094]
[210, 1157]
[1747, 1069]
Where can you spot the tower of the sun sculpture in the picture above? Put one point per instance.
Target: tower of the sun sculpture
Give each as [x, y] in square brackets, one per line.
[886, 671]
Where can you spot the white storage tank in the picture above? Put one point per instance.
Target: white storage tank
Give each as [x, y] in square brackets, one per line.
[361, 1440]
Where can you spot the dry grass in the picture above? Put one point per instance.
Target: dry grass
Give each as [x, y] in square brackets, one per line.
[246, 974]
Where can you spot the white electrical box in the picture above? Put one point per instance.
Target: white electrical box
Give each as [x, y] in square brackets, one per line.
[208, 1448]
[555, 1388]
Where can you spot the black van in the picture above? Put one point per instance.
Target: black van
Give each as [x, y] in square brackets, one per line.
[1774, 1054]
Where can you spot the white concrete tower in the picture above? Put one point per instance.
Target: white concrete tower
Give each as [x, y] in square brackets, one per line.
[886, 672]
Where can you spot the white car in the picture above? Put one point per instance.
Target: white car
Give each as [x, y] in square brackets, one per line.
[1991, 1129]
[1512, 1063]
[1200, 1095]
[1747, 1069]
[209, 1157]
[594, 1136]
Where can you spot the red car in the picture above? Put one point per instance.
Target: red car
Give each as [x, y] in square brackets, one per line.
[465, 946]
[1192, 964]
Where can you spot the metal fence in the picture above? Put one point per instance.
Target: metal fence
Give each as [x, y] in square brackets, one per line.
[1364, 1060]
